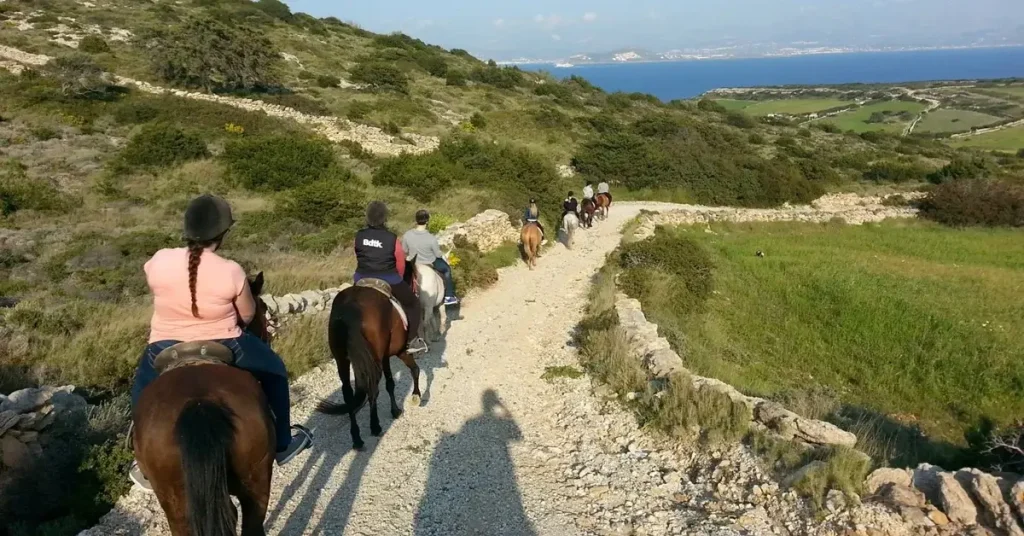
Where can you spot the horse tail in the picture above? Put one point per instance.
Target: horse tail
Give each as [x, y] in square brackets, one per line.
[349, 323]
[205, 432]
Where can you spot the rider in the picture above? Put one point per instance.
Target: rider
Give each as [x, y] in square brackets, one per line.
[570, 205]
[532, 215]
[602, 188]
[420, 243]
[199, 295]
[588, 191]
[379, 255]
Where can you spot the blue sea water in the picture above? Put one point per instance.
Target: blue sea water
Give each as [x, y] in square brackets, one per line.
[686, 79]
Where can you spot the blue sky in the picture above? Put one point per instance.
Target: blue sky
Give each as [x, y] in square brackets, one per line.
[553, 28]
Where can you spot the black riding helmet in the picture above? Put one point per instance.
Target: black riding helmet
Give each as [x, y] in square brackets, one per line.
[207, 217]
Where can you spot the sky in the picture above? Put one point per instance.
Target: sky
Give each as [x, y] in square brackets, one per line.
[559, 28]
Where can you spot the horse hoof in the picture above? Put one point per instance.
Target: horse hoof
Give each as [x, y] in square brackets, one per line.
[358, 446]
[376, 431]
[396, 413]
[415, 400]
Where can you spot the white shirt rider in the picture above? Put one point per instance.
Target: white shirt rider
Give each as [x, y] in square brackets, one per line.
[602, 188]
[588, 192]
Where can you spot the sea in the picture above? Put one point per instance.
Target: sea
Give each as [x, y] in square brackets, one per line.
[688, 79]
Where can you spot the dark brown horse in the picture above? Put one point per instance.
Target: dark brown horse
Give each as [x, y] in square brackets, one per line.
[604, 204]
[587, 210]
[204, 433]
[364, 331]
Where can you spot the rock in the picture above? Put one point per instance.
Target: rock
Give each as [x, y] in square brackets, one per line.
[803, 472]
[7, 302]
[900, 495]
[7, 421]
[926, 479]
[105, 257]
[15, 453]
[985, 488]
[887, 475]
[27, 399]
[1017, 498]
[937, 517]
[955, 501]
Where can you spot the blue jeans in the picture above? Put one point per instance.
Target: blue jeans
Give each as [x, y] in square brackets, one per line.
[442, 268]
[251, 355]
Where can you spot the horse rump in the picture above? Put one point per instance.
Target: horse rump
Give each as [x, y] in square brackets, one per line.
[349, 346]
[205, 432]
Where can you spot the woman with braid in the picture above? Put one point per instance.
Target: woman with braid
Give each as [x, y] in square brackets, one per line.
[200, 296]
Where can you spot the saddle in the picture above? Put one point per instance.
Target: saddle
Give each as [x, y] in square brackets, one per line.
[385, 288]
[192, 353]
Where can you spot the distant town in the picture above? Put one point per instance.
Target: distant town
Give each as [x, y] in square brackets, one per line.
[730, 52]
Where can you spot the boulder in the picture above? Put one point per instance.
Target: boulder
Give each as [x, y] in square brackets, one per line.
[14, 452]
[8, 419]
[27, 399]
[1017, 498]
[926, 478]
[996, 512]
[901, 495]
[887, 475]
[955, 501]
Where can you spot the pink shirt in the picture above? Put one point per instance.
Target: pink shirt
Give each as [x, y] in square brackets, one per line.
[222, 295]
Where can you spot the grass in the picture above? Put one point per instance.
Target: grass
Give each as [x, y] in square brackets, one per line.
[1007, 139]
[735, 104]
[857, 120]
[793, 106]
[1016, 92]
[948, 120]
[554, 373]
[907, 323]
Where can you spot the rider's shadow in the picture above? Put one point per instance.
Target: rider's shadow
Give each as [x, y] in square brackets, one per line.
[334, 445]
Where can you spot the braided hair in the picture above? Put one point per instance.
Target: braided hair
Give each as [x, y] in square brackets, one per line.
[195, 254]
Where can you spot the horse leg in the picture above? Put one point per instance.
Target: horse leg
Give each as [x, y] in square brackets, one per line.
[414, 371]
[375, 428]
[350, 401]
[172, 501]
[254, 503]
[389, 384]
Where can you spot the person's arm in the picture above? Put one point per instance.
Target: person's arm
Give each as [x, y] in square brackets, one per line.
[245, 304]
[436, 247]
[399, 258]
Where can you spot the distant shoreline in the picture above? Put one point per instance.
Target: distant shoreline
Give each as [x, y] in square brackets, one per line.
[555, 63]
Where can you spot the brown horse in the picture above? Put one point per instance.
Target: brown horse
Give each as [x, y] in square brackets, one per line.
[530, 237]
[604, 204]
[587, 210]
[204, 433]
[364, 331]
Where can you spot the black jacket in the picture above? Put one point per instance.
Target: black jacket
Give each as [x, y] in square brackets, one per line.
[375, 252]
[571, 205]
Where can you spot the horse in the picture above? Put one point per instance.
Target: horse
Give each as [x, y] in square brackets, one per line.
[604, 204]
[365, 329]
[569, 223]
[203, 432]
[530, 237]
[587, 209]
[431, 294]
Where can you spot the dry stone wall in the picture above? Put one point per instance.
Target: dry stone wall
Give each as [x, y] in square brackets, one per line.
[335, 129]
[25, 418]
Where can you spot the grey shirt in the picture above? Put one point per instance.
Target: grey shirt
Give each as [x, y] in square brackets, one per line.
[421, 244]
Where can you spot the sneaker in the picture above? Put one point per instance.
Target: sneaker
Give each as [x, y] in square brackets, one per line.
[300, 442]
[451, 300]
[416, 346]
[136, 476]
[544, 242]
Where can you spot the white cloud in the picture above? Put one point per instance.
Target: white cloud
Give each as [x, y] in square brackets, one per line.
[556, 37]
[549, 22]
[499, 22]
[589, 16]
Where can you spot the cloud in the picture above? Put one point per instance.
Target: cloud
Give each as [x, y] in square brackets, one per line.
[499, 22]
[589, 16]
[549, 22]
[556, 37]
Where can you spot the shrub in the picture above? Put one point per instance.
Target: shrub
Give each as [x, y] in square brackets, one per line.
[473, 270]
[323, 202]
[208, 54]
[358, 110]
[439, 222]
[277, 163]
[1020, 153]
[380, 76]
[478, 120]
[19, 192]
[961, 168]
[549, 117]
[757, 138]
[889, 171]
[500, 77]
[740, 120]
[80, 77]
[158, 146]
[275, 8]
[356, 150]
[326, 80]
[44, 133]
[709, 105]
[992, 203]
[682, 258]
[422, 177]
[93, 44]
[433, 64]
[455, 78]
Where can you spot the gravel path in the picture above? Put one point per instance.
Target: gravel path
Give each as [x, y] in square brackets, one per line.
[494, 449]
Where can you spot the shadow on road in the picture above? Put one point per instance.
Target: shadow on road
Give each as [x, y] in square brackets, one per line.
[472, 486]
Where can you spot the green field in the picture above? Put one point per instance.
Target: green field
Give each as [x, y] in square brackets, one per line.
[1016, 92]
[1008, 139]
[948, 120]
[857, 120]
[734, 104]
[902, 322]
[793, 106]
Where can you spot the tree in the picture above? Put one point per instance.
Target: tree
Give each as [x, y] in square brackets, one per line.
[205, 53]
[80, 77]
[380, 77]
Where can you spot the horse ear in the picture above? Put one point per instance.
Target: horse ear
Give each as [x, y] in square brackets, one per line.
[256, 285]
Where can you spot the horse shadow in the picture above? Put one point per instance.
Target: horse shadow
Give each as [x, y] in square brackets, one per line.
[334, 447]
[471, 487]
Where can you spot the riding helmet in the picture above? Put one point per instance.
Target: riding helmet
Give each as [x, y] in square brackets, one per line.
[207, 218]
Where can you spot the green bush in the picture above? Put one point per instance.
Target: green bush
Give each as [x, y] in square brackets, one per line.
[455, 78]
[208, 54]
[478, 120]
[392, 128]
[19, 192]
[473, 270]
[500, 77]
[326, 80]
[44, 133]
[80, 77]
[740, 120]
[158, 146]
[380, 76]
[890, 171]
[433, 64]
[358, 110]
[961, 168]
[275, 163]
[756, 138]
[674, 254]
[324, 202]
[422, 176]
[992, 203]
[709, 105]
[274, 8]
[93, 44]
